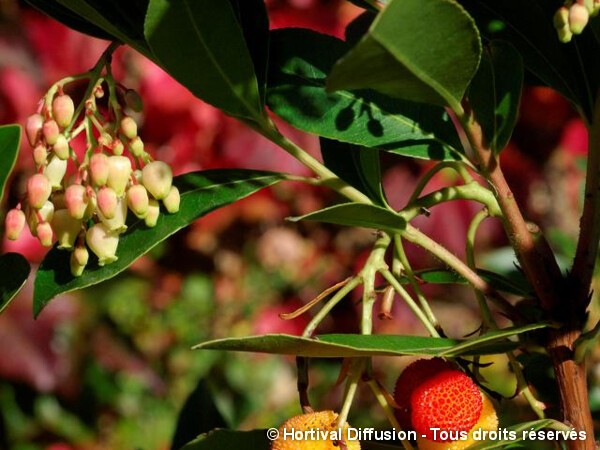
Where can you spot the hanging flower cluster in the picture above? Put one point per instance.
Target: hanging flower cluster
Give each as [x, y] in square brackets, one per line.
[573, 17]
[88, 210]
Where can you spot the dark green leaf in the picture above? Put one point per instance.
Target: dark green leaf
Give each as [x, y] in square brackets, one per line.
[200, 43]
[14, 270]
[10, 140]
[351, 345]
[528, 26]
[357, 166]
[230, 440]
[357, 215]
[299, 63]
[198, 415]
[495, 92]
[201, 193]
[520, 434]
[252, 17]
[420, 51]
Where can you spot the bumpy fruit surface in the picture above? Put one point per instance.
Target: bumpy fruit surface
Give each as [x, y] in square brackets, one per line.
[416, 373]
[324, 421]
[488, 421]
[449, 401]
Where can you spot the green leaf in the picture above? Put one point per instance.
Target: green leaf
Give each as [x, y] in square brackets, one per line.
[351, 345]
[495, 92]
[357, 166]
[200, 43]
[473, 345]
[14, 271]
[528, 26]
[230, 439]
[357, 215]
[201, 193]
[519, 435]
[420, 51]
[10, 140]
[299, 63]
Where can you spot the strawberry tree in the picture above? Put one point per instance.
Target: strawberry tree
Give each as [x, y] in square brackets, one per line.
[436, 80]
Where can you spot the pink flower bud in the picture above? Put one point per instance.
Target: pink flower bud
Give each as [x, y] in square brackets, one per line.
[99, 169]
[61, 147]
[50, 131]
[44, 234]
[44, 214]
[107, 202]
[38, 190]
[116, 223]
[62, 110]
[133, 100]
[79, 259]
[15, 222]
[103, 243]
[137, 200]
[55, 171]
[119, 170]
[578, 18]
[136, 146]
[157, 178]
[128, 127]
[66, 227]
[172, 200]
[40, 155]
[153, 212]
[117, 147]
[33, 128]
[77, 200]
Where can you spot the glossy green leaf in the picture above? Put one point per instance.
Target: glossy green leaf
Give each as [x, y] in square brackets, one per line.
[201, 193]
[201, 44]
[420, 51]
[10, 140]
[357, 215]
[352, 345]
[14, 271]
[299, 63]
[495, 92]
[519, 433]
[357, 166]
[230, 440]
[528, 26]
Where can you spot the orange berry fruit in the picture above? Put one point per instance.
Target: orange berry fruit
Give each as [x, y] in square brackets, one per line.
[323, 421]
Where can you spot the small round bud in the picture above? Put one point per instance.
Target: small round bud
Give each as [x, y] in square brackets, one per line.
[77, 200]
[103, 243]
[33, 128]
[50, 131]
[133, 100]
[38, 190]
[44, 214]
[153, 212]
[157, 178]
[99, 169]
[137, 200]
[61, 147]
[118, 147]
[565, 35]
[128, 127]
[136, 146]
[79, 259]
[172, 200]
[117, 222]
[63, 110]
[107, 202]
[44, 234]
[66, 227]
[15, 222]
[119, 171]
[98, 92]
[578, 18]
[561, 18]
[55, 171]
[589, 5]
[40, 155]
